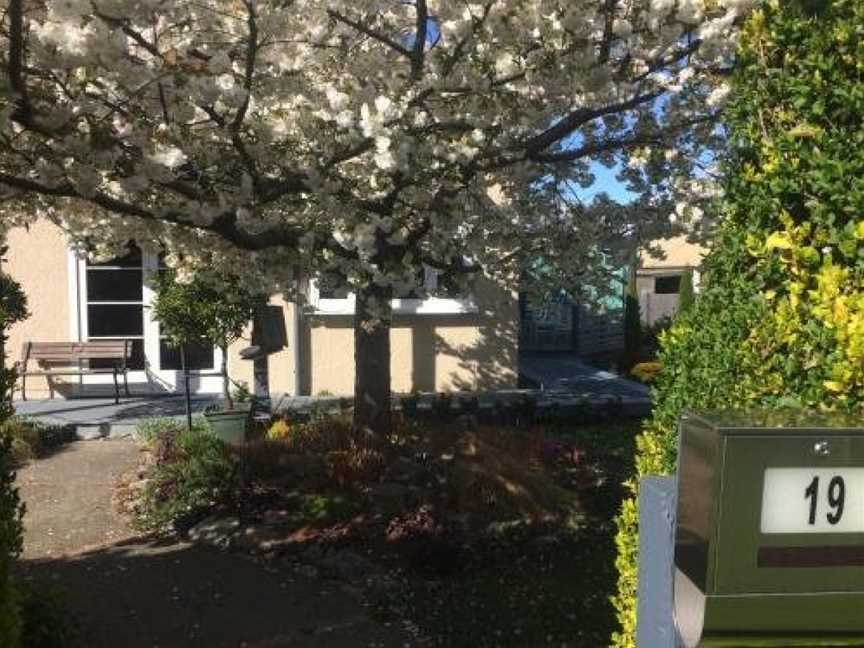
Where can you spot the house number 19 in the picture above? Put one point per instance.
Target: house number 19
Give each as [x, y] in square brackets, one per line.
[836, 499]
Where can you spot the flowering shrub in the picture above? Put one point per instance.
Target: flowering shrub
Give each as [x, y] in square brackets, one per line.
[646, 372]
[279, 429]
[193, 471]
[781, 322]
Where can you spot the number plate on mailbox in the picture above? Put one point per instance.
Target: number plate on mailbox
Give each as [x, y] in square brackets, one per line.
[813, 500]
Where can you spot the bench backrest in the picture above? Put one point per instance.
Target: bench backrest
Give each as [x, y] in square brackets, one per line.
[120, 350]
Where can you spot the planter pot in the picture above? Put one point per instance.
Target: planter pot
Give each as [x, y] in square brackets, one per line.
[230, 425]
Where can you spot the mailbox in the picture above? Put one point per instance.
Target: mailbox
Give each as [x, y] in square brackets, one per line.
[769, 539]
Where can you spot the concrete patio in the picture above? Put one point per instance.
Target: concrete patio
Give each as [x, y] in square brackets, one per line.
[101, 418]
[564, 383]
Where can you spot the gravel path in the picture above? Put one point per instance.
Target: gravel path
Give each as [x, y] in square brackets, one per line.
[135, 592]
[68, 497]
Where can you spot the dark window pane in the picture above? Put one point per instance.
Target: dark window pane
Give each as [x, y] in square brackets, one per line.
[131, 260]
[199, 357]
[667, 285]
[414, 291]
[448, 287]
[115, 320]
[331, 287]
[115, 285]
[135, 363]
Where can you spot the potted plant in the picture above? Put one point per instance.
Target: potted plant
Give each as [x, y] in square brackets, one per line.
[195, 311]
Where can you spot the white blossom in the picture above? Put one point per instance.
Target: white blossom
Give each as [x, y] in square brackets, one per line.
[320, 146]
[169, 156]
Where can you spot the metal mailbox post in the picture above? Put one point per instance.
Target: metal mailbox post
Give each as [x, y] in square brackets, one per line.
[768, 531]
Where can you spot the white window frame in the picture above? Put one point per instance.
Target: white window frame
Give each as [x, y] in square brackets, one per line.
[158, 379]
[429, 306]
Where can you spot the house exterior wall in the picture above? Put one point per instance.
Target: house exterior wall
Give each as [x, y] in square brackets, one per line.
[679, 254]
[280, 366]
[477, 351]
[37, 259]
[430, 352]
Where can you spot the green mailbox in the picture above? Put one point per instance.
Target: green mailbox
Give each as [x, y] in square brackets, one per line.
[769, 539]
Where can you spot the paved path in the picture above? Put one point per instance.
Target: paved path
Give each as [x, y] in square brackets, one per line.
[564, 372]
[137, 592]
[68, 497]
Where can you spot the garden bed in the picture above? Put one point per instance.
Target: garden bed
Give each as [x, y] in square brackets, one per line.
[34, 440]
[480, 534]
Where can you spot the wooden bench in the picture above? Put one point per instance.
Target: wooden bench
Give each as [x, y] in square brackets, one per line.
[73, 355]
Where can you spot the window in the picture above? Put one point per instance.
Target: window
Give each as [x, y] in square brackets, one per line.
[427, 277]
[329, 287]
[667, 285]
[199, 357]
[445, 298]
[115, 304]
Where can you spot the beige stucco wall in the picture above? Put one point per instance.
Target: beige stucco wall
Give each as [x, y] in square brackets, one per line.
[428, 352]
[37, 259]
[280, 365]
[678, 253]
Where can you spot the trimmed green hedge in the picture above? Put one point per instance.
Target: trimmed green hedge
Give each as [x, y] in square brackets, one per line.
[781, 320]
[11, 511]
[13, 308]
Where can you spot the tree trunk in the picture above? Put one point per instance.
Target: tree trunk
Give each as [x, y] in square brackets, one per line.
[226, 387]
[372, 361]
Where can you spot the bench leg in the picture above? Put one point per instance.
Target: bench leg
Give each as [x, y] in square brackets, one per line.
[116, 389]
[23, 387]
[126, 384]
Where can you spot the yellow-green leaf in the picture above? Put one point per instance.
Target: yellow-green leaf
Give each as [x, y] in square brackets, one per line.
[778, 241]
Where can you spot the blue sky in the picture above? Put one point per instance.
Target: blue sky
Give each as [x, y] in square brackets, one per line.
[607, 182]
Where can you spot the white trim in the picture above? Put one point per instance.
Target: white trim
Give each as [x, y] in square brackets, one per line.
[74, 295]
[427, 306]
[435, 306]
[153, 376]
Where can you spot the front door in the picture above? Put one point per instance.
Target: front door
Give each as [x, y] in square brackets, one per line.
[114, 301]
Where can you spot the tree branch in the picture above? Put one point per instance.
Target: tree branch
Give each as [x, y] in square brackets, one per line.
[224, 225]
[418, 56]
[609, 21]
[251, 56]
[594, 148]
[131, 33]
[24, 112]
[569, 124]
[381, 38]
[459, 50]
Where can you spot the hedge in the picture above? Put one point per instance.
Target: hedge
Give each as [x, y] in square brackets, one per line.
[13, 308]
[780, 322]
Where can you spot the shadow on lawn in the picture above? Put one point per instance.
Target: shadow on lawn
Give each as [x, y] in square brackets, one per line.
[540, 586]
[167, 594]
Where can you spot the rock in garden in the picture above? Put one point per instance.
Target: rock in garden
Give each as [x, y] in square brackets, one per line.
[215, 531]
[257, 537]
